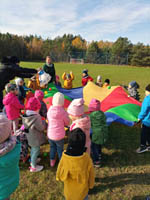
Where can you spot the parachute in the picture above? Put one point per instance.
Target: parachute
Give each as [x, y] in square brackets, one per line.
[115, 103]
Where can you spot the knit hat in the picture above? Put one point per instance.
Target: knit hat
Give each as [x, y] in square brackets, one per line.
[134, 84]
[39, 94]
[107, 81]
[58, 99]
[76, 142]
[33, 104]
[10, 87]
[148, 88]
[5, 128]
[76, 108]
[99, 78]
[68, 76]
[94, 105]
[18, 81]
[85, 71]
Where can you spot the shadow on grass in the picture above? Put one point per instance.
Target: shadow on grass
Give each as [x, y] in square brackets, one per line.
[120, 149]
[140, 198]
[112, 182]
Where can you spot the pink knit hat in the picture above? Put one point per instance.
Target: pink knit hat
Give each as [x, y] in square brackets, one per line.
[39, 94]
[76, 108]
[94, 105]
[33, 104]
[5, 128]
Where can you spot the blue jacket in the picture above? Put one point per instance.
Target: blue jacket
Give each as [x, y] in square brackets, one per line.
[9, 172]
[144, 115]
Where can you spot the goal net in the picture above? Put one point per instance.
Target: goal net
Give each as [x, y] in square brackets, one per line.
[76, 61]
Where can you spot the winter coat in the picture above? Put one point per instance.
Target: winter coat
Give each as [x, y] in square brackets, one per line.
[43, 110]
[85, 124]
[10, 71]
[57, 120]
[86, 79]
[12, 106]
[133, 93]
[50, 70]
[99, 127]
[9, 172]
[68, 82]
[144, 115]
[34, 129]
[77, 173]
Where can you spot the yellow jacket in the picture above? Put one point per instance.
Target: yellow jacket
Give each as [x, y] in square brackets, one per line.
[77, 173]
[68, 83]
[34, 84]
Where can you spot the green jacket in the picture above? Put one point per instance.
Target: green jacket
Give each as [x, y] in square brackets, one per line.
[9, 172]
[99, 127]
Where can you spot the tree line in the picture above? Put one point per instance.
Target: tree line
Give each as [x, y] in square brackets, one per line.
[61, 49]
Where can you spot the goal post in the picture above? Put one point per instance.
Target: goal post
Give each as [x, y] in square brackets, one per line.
[76, 61]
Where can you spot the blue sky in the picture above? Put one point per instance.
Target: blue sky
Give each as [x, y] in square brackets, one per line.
[92, 19]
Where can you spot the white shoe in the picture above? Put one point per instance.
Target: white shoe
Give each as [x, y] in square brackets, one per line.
[36, 169]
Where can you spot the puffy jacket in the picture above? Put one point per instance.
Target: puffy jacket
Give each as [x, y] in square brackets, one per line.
[9, 172]
[86, 79]
[57, 120]
[34, 129]
[99, 127]
[12, 106]
[144, 115]
[77, 173]
[85, 124]
[68, 82]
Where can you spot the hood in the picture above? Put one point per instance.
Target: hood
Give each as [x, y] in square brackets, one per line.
[56, 112]
[8, 98]
[28, 120]
[84, 123]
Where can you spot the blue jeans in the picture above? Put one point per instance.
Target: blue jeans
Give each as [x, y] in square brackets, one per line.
[56, 146]
[96, 151]
[35, 151]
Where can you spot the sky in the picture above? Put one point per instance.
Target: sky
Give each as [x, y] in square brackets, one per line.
[92, 19]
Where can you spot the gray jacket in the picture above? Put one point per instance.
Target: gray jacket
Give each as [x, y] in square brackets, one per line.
[34, 128]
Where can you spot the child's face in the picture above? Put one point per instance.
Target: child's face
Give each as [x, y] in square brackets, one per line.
[147, 93]
[21, 83]
[83, 74]
[16, 91]
[48, 60]
[129, 86]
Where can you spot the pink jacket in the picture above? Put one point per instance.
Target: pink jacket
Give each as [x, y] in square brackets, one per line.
[85, 124]
[12, 106]
[57, 119]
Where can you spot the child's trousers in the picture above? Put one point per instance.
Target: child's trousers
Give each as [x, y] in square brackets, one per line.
[96, 151]
[35, 151]
[145, 135]
[56, 146]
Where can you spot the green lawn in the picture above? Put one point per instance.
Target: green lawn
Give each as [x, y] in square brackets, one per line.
[124, 175]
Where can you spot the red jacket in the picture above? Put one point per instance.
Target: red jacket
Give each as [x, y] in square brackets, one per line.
[12, 106]
[86, 79]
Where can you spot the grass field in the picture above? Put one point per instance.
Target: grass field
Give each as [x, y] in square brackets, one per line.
[124, 174]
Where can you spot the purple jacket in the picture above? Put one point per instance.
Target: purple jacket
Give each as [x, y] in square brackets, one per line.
[12, 106]
[57, 119]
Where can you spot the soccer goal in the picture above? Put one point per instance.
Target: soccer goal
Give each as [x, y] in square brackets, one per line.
[76, 61]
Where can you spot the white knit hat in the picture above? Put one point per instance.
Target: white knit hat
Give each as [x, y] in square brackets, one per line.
[99, 78]
[58, 99]
[18, 80]
[5, 128]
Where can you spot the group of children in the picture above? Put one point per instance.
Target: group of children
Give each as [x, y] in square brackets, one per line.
[88, 133]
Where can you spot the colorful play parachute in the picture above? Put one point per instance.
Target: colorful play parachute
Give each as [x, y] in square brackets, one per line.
[114, 100]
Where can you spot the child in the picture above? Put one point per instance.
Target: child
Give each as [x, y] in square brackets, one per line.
[40, 95]
[132, 90]
[34, 82]
[21, 92]
[75, 168]
[99, 130]
[68, 78]
[79, 120]
[34, 128]
[106, 83]
[99, 81]
[57, 82]
[85, 77]
[57, 120]
[12, 105]
[144, 117]
[9, 159]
